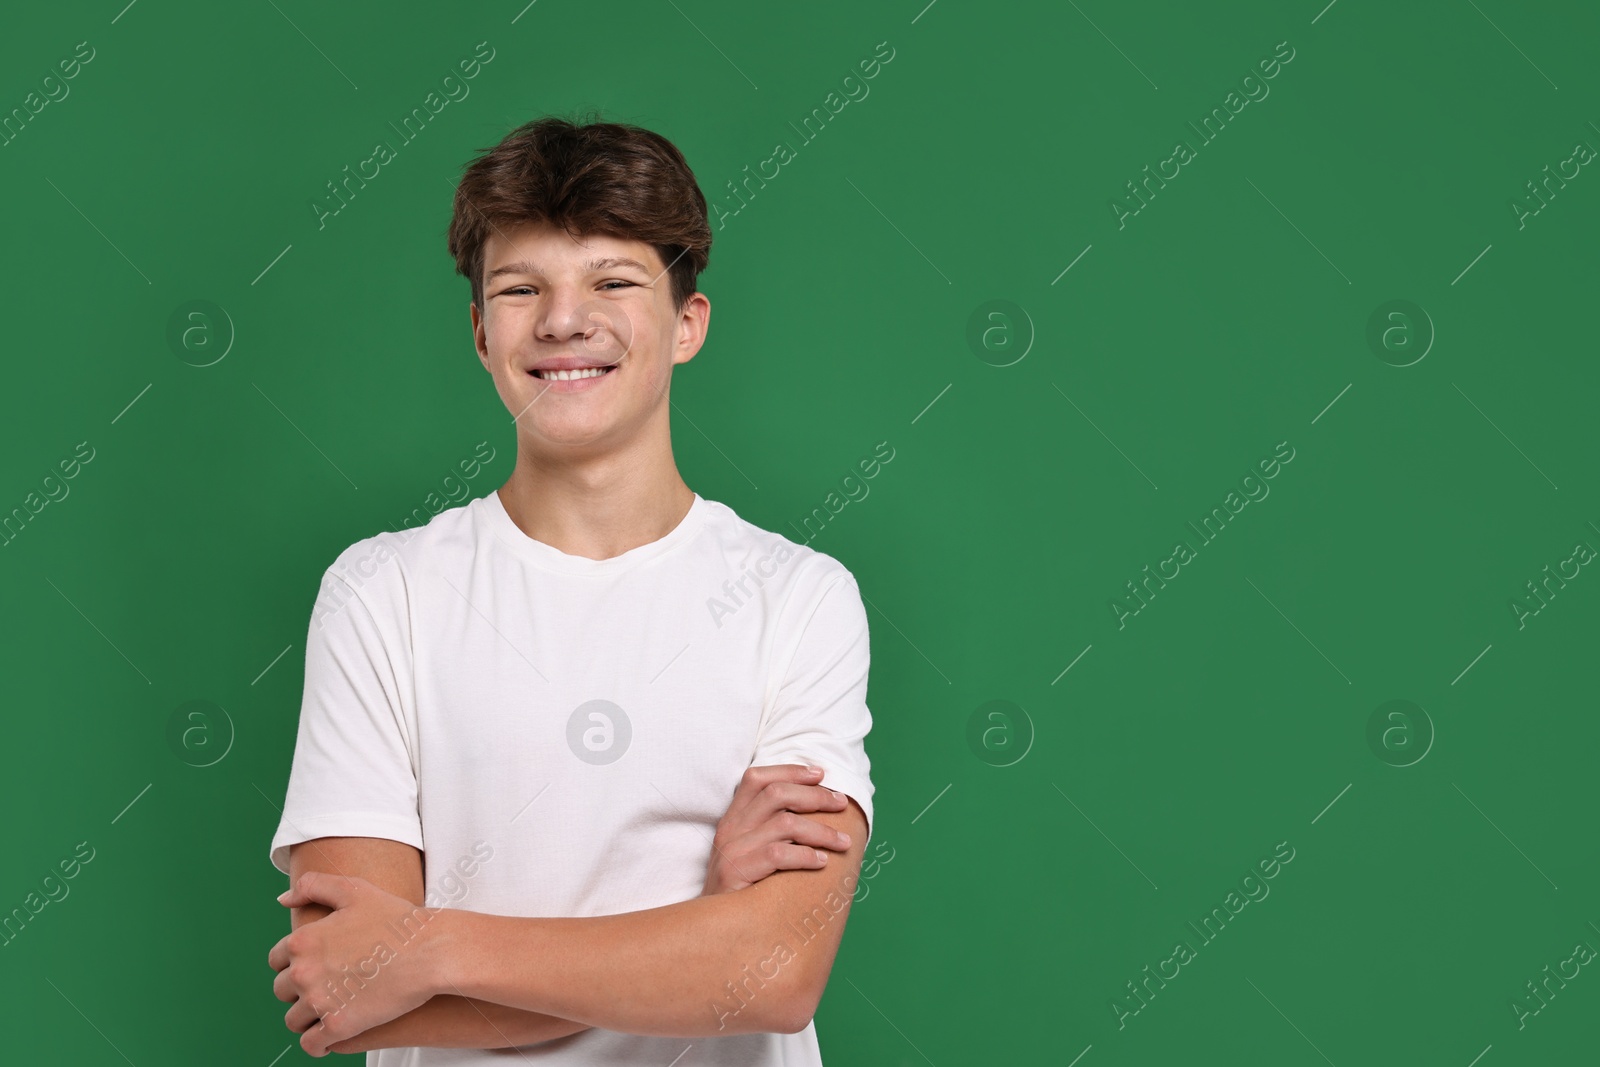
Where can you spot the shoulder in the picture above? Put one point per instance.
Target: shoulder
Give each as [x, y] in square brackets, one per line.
[375, 569]
[794, 576]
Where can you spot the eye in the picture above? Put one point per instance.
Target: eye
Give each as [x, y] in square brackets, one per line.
[616, 283]
[519, 289]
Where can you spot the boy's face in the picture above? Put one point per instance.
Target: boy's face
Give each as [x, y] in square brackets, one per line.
[579, 302]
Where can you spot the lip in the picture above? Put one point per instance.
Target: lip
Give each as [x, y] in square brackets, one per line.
[580, 385]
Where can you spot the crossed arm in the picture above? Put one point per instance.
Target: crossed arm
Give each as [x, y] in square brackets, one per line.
[756, 960]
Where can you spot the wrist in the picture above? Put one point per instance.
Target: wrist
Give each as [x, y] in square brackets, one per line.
[441, 950]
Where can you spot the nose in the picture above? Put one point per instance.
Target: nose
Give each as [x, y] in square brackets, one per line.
[565, 316]
[597, 331]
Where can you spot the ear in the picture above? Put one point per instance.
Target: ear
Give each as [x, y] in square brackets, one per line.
[693, 324]
[480, 340]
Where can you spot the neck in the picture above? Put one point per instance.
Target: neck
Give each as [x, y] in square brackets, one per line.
[596, 507]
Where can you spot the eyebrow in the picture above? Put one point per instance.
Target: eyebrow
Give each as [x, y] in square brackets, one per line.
[593, 265]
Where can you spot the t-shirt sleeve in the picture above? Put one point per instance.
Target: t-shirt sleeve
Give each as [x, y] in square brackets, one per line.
[353, 773]
[820, 715]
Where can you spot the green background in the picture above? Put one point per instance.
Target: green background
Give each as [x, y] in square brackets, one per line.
[1230, 314]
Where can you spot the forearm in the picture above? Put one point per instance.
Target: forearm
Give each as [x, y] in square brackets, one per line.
[703, 967]
[450, 1021]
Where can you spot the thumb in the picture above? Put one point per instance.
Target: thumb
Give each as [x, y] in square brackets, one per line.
[318, 887]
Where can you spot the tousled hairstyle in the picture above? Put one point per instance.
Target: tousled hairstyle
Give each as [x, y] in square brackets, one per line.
[589, 178]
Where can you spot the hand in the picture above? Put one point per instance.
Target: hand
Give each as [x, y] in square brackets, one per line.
[368, 961]
[761, 833]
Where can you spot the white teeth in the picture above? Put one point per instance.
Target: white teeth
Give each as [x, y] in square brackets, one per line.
[569, 375]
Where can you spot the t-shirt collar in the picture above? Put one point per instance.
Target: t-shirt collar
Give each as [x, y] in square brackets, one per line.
[492, 512]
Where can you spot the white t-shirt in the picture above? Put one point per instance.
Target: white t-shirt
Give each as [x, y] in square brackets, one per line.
[560, 735]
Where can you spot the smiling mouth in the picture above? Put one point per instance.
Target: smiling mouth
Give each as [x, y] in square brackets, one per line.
[572, 375]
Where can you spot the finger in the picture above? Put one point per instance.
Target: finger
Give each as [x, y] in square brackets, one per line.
[314, 1042]
[755, 779]
[789, 857]
[284, 987]
[301, 1016]
[750, 806]
[335, 1026]
[784, 842]
[778, 797]
[319, 887]
[278, 957]
[792, 797]
[787, 826]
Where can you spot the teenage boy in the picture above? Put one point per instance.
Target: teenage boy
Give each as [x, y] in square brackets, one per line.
[538, 705]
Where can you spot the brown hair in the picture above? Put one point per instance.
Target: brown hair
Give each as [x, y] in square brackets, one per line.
[590, 178]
